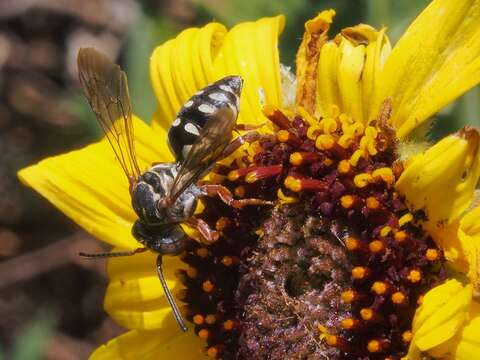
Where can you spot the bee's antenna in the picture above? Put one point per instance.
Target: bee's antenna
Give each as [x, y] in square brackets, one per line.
[168, 294]
[112, 254]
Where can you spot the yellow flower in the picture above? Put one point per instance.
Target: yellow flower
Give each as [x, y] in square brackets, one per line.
[341, 85]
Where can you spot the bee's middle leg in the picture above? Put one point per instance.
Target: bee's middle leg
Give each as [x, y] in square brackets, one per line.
[226, 196]
[209, 235]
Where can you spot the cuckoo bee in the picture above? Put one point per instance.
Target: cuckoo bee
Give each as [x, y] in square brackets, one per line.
[166, 195]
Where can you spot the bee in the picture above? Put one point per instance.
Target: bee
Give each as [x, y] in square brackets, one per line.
[166, 195]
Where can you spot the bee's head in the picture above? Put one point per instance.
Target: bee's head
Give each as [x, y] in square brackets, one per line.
[166, 240]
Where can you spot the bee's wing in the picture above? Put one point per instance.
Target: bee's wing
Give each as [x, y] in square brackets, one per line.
[105, 86]
[213, 138]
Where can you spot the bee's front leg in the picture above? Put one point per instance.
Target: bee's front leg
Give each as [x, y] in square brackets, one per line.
[226, 196]
[209, 235]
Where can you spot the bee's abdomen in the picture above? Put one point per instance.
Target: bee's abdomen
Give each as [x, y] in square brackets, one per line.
[197, 111]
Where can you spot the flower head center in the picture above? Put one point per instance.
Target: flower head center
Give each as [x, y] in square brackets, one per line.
[335, 270]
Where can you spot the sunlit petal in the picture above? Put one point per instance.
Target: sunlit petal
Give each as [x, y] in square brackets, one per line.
[80, 184]
[444, 309]
[134, 297]
[182, 66]
[250, 49]
[442, 180]
[152, 345]
[436, 60]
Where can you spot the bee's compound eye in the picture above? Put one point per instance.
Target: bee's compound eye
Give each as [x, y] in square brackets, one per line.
[144, 202]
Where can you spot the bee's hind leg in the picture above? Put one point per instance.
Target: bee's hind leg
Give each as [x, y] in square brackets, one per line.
[248, 127]
[226, 196]
[248, 137]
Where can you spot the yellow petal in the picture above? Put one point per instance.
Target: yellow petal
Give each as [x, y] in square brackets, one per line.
[250, 49]
[328, 93]
[152, 345]
[134, 297]
[349, 79]
[181, 66]
[89, 186]
[436, 60]
[465, 345]
[469, 235]
[348, 71]
[443, 311]
[376, 54]
[442, 180]
[307, 58]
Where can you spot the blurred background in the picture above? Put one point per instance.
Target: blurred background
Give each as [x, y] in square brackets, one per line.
[50, 300]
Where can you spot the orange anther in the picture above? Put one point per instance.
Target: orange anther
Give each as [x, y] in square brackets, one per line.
[407, 336]
[296, 159]
[376, 246]
[301, 158]
[192, 272]
[212, 352]
[293, 184]
[401, 236]
[332, 340]
[348, 296]
[432, 254]
[210, 319]
[347, 201]
[208, 286]
[344, 167]
[198, 319]
[203, 334]
[374, 346]
[379, 287]
[367, 314]
[414, 276]
[349, 323]
[240, 191]
[229, 325]
[233, 175]
[359, 272]
[372, 203]
[352, 243]
[399, 298]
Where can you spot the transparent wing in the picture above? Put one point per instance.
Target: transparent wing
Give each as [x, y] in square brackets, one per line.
[214, 137]
[105, 86]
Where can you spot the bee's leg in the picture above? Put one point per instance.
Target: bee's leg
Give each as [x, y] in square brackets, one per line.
[207, 233]
[249, 137]
[248, 127]
[226, 196]
[112, 254]
[176, 312]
